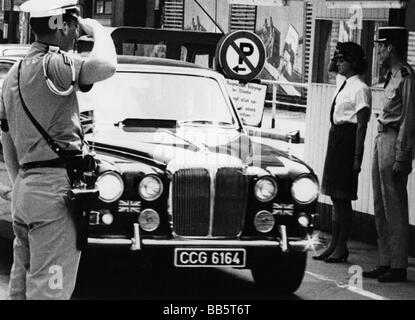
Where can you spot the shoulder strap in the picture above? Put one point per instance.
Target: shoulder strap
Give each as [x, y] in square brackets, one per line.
[52, 144]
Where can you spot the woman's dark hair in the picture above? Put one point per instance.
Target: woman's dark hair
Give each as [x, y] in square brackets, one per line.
[42, 27]
[353, 53]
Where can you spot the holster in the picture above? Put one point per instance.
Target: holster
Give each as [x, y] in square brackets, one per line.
[81, 201]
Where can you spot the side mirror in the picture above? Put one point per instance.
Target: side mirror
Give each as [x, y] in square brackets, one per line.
[293, 137]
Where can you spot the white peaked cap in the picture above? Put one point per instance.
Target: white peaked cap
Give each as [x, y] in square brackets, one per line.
[48, 8]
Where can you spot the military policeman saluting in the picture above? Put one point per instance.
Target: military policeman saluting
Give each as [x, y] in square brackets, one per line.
[45, 253]
[393, 154]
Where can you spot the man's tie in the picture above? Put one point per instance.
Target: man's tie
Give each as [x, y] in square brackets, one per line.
[388, 78]
[334, 102]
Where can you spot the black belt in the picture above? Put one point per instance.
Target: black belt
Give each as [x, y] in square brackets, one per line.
[55, 163]
[385, 128]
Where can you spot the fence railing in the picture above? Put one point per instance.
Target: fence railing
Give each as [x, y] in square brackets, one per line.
[274, 102]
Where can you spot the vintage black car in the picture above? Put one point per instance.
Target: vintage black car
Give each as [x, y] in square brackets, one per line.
[179, 175]
[180, 180]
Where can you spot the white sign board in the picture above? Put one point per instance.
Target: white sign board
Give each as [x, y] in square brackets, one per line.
[278, 3]
[249, 101]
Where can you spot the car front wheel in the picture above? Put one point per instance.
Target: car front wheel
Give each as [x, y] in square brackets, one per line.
[282, 274]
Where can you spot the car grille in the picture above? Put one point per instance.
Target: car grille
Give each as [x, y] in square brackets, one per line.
[191, 203]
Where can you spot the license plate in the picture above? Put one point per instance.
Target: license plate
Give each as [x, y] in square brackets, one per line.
[209, 257]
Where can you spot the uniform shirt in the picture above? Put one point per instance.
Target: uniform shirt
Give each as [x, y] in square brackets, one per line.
[58, 115]
[399, 109]
[354, 97]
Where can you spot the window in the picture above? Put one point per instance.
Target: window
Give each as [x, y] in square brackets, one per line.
[103, 7]
[243, 17]
[411, 49]
[171, 97]
[173, 15]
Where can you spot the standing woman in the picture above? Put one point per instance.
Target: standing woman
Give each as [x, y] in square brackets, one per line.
[349, 115]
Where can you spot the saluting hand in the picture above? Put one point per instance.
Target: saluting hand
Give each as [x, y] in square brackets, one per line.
[89, 26]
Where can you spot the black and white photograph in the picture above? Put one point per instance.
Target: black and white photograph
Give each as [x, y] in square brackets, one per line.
[207, 158]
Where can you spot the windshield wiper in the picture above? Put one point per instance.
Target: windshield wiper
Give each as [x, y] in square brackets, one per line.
[147, 123]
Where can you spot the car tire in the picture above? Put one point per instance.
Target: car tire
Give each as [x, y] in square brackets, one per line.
[282, 274]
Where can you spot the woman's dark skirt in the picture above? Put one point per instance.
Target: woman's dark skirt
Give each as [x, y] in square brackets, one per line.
[339, 180]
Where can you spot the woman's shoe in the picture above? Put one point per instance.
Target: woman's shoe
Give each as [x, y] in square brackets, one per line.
[322, 256]
[343, 258]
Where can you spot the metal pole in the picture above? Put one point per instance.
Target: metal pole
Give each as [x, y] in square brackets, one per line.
[11, 22]
[274, 105]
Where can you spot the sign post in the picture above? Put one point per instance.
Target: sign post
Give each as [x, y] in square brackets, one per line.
[241, 55]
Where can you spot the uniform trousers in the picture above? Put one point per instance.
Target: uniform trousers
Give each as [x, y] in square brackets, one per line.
[390, 203]
[45, 255]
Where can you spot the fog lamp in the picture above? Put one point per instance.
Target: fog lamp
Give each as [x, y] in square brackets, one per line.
[304, 221]
[107, 219]
[264, 221]
[149, 220]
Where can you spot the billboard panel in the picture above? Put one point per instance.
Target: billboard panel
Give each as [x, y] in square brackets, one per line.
[282, 31]
[197, 20]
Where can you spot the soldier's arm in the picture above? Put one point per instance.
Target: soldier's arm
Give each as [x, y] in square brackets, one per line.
[102, 61]
[10, 156]
[9, 149]
[406, 136]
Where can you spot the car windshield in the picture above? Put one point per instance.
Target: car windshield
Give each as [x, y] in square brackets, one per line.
[190, 100]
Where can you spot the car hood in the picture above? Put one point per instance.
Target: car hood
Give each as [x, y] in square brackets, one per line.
[195, 145]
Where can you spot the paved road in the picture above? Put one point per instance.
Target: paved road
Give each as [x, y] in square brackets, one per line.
[109, 277]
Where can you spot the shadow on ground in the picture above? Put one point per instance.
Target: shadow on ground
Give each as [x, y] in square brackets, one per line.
[113, 278]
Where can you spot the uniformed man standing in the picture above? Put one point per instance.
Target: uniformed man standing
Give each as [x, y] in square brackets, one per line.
[45, 253]
[393, 154]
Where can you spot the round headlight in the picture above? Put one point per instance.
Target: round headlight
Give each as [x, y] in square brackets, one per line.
[264, 221]
[110, 186]
[149, 220]
[266, 189]
[305, 190]
[150, 188]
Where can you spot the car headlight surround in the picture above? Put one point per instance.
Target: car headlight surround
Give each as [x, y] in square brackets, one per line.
[150, 188]
[305, 189]
[110, 185]
[266, 188]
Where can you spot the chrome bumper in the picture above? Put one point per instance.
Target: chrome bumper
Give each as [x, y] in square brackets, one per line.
[136, 243]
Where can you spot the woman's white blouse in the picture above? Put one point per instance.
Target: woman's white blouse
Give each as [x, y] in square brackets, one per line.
[354, 97]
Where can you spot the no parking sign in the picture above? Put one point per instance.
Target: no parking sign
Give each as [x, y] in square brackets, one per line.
[241, 55]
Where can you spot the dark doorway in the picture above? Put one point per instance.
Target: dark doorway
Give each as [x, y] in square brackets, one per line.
[135, 13]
